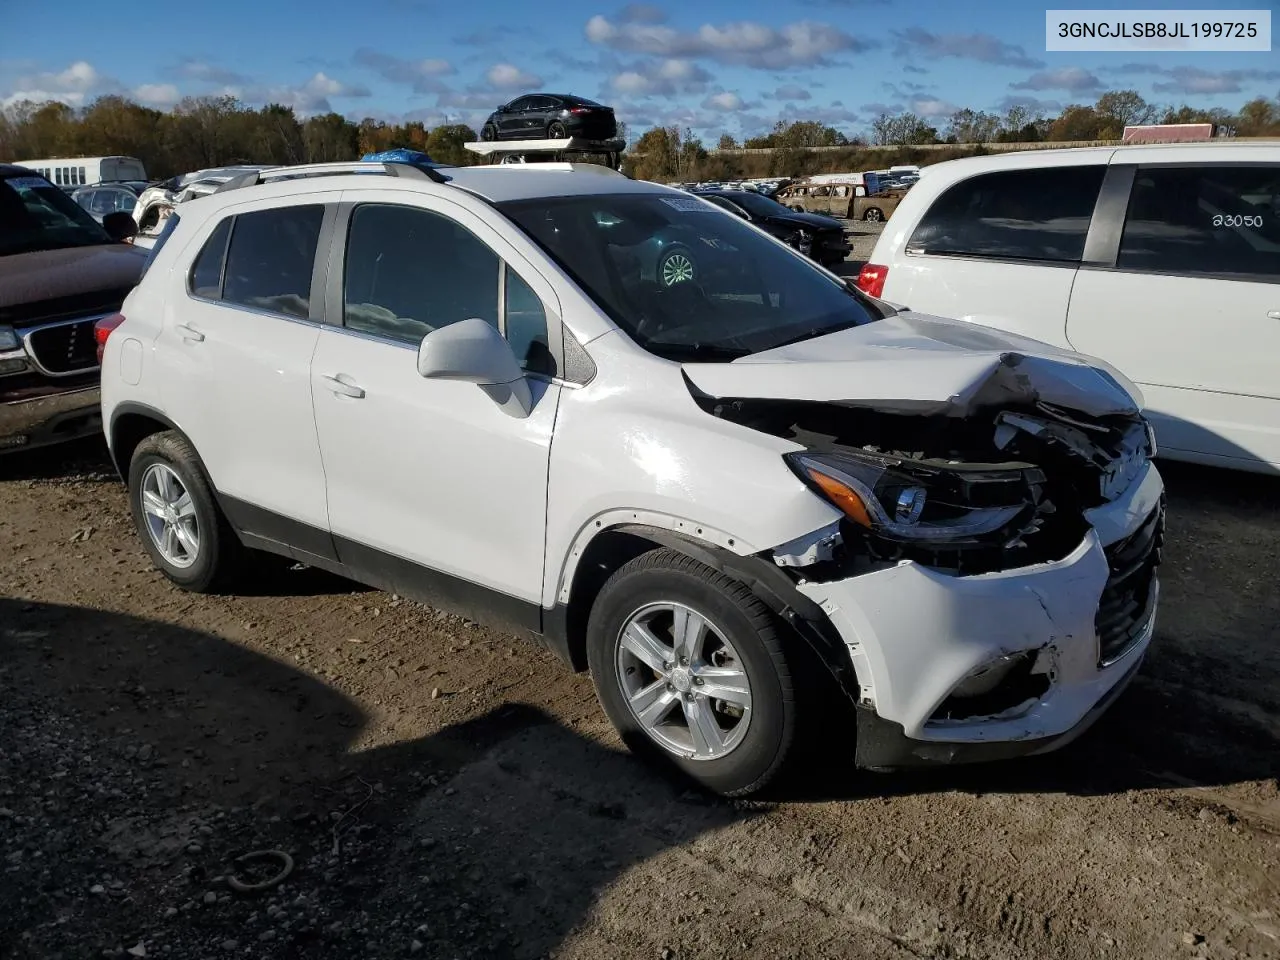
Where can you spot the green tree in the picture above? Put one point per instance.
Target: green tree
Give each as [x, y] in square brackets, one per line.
[445, 144]
[1123, 108]
[969, 126]
[904, 128]
[1076, 122]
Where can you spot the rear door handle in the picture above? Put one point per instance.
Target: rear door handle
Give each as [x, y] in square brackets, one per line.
[1274, 314]
[341, 388]
[189, 333]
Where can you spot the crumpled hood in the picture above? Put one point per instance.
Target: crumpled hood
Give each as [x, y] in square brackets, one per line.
[915, 363]
[46, 274]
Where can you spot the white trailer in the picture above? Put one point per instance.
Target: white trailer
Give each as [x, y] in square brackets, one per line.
[545, 151]
[72, 172]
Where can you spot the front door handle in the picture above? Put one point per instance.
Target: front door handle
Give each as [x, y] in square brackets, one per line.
[343, 389]
[189, 333]
[1274, 314]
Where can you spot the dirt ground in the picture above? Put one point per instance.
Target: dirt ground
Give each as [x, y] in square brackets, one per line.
[448, 792]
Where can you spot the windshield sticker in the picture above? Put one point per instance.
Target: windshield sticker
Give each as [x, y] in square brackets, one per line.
[688, 204]
[30, 183]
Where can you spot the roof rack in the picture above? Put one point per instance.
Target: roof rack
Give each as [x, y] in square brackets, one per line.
[387, 169]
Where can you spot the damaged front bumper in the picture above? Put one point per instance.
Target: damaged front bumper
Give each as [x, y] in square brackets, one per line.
[50, 418]
[959, 668]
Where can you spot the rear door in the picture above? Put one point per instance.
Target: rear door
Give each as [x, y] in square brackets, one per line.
[239, 331]
[1001, 249]
[1188, 305]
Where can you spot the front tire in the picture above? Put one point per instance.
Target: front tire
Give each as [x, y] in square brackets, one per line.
[689, 666]
[489, 133]
[177, 516]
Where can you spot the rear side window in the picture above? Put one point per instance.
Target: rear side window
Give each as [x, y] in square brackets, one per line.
[1204, 220]
[206, 272]
[1015, 214]
[270, 259]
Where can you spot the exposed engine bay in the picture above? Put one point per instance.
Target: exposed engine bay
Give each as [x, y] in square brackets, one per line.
[1001, 488]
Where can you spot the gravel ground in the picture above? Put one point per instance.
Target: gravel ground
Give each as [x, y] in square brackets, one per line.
[449, 792]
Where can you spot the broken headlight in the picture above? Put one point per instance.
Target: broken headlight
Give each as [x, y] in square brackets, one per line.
[915, 501]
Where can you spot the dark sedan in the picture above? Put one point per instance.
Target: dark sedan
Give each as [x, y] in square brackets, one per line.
[821, 238]
[550, 116]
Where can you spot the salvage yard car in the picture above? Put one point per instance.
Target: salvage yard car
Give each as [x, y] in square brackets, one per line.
[551, 116]
[1163, 260]
[841, 199]
[60, 272]
[818, 237]
[462, 384]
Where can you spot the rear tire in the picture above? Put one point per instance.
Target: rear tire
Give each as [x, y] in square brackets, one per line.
[177, 515]
[874, 215]
[732, 744]
[556, 131]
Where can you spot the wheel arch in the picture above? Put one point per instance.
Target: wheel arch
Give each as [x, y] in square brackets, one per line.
[131, 423]
[610, 547]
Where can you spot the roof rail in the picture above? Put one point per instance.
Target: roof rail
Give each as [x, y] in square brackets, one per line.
[406, 170]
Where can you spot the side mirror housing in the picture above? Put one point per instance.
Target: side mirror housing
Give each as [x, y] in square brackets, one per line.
[474, 351]
[120, 226]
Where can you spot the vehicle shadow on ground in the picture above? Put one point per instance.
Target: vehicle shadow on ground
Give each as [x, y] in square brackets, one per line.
[120, 736]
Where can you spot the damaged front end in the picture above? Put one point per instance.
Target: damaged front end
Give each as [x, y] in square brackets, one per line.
[992, 572]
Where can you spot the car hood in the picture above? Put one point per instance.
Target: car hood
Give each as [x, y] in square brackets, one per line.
[915, 363]
[46, 274]
[814, 221]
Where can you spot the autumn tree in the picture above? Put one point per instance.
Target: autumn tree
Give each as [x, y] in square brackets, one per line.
[903, 128]
[727, 142]
[970, 126]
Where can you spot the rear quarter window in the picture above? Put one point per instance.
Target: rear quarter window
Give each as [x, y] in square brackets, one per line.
[1038, 215]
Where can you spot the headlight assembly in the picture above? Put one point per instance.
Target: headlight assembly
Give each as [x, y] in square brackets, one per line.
[916, 502]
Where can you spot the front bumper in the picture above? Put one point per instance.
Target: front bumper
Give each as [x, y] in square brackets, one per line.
[50, 419]
[913, 634]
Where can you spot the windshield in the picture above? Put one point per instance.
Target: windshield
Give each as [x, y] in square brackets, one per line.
[684, 279]
[759, 206]
[36, 215]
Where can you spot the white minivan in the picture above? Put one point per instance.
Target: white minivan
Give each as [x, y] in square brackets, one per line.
[1163, 260]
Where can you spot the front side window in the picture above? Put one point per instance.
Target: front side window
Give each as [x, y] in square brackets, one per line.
[683, 281]
[1015, 214]
[271, 257]
[410, 271]
[1204, 220]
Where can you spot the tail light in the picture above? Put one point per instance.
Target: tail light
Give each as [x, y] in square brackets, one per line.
[102, 329]
[579, 109]
[871, 279]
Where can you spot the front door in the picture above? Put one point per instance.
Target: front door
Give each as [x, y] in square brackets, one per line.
[434, 490]
[1191, 311]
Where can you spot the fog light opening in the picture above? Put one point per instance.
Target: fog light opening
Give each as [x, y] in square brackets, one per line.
[1003, 688]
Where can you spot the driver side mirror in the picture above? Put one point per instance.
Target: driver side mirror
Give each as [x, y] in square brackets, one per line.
[473, 350]
[120, 226]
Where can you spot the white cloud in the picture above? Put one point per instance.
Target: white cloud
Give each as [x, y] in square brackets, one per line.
[421, 75]
[665, 78]
[506, 76]
[71, 86]
[1071, 79]
[1194, 80]
[724, 101]
[791, 91]
[743, 43]
[932, 107]
[157, 94]
[983, 47]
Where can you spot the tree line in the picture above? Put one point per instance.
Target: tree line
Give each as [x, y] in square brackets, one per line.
[205, 132]
[212, 131]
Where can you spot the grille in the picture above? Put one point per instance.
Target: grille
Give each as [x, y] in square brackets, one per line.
[1128, 600]
[64, 348]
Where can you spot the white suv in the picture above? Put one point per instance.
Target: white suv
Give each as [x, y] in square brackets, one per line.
[483, 388]
[1163, 260]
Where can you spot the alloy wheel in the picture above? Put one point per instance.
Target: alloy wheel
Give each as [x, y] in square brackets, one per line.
[170, 516]
[683, 681]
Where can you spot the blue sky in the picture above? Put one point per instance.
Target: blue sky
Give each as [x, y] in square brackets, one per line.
[734, 65]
